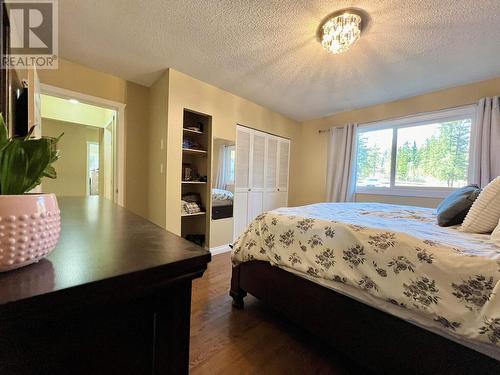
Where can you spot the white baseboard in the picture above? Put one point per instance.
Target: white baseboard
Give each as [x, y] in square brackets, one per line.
[220, 249]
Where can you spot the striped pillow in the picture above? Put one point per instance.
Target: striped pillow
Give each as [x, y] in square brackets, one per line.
[485, 212]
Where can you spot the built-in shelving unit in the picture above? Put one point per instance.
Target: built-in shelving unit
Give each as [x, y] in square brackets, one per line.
[193, 151]
[192, 132]
[193, 182]
[195, 214]
[196, 144]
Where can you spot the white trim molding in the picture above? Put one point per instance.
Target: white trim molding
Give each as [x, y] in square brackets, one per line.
[220, 249]
[119, 157]
[87, 170]
[451, 114]
[429, 192]
[421, 118]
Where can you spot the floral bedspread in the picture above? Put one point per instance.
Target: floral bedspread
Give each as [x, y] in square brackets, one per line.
[220, 195]
[396, 254]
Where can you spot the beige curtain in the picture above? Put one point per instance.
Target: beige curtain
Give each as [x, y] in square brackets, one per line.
[485, 142]
[221, 182]
[341, 165]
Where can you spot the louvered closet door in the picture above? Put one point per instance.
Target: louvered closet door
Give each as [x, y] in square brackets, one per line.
[257, 182]
[283, 170]
[240, 213]
[242, 180]
[271, 187]
[271, 162]
[258, 156]
[242, 177]
[261, 181]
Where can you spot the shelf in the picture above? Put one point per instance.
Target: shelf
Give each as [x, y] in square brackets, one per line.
[195, 132]
[191, 151]
[195, 214]
[196, 152]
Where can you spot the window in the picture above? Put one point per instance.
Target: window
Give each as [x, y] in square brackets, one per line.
[230, 153]
[423, 155]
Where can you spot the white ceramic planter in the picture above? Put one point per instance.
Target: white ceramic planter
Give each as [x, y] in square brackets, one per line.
[30, 225]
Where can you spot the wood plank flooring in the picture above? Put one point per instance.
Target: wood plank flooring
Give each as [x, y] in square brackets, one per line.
[255, 340]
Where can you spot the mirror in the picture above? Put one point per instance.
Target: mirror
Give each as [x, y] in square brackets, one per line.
[223, 179]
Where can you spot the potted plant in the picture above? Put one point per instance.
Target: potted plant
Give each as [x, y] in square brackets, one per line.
[29, 223]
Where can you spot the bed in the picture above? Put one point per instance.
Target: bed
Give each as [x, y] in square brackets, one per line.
[222, 204]
[382, 283]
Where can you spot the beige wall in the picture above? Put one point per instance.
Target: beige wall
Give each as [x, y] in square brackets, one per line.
[148, 192]
[137, 145]
[311, 165]
[71, 168]
[155, 114]
[227, 110]
[75, 77]
[157, 152]
[221, 232]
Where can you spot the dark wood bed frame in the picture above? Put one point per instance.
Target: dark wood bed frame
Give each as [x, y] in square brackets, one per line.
[376, 340]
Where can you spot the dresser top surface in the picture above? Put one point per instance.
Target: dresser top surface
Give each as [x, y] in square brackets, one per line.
[101, 241]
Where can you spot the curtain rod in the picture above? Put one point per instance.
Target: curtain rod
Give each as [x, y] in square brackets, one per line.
[321, 131]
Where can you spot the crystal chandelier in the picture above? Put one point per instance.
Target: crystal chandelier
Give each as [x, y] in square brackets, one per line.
[341, 31]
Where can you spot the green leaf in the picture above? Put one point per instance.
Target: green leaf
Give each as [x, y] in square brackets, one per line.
[24, 161]
[50, 172]
[14, 167]
[4, 138]
[39, 155]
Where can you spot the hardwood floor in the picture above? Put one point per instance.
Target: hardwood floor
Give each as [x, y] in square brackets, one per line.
[255, 340]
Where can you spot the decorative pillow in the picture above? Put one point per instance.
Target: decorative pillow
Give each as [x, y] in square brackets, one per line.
[189, 207]
[453, 209]
[484, 214]
[495, 236]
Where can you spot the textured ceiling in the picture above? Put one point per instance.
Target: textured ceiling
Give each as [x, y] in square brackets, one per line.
[266, 50]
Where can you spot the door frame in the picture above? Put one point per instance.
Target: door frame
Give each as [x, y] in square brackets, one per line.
[119, 150]
[87, 175]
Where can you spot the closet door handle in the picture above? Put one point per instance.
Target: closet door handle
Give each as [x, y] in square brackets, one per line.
[249, 189]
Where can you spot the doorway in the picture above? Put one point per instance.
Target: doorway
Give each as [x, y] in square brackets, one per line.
[93, 168]
[87, 149]
[92, 150]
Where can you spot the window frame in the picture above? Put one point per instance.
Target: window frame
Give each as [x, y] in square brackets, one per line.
[454, 114]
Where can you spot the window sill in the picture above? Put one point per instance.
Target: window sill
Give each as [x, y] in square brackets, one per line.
[408, 192]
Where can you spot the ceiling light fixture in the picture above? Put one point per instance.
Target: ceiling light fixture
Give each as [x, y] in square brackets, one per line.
[341, 30]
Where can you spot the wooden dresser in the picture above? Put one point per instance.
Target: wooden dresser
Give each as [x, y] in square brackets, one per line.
[114, 297]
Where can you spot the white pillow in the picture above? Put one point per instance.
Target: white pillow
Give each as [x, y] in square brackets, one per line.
[484, 214]
[495, 236]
